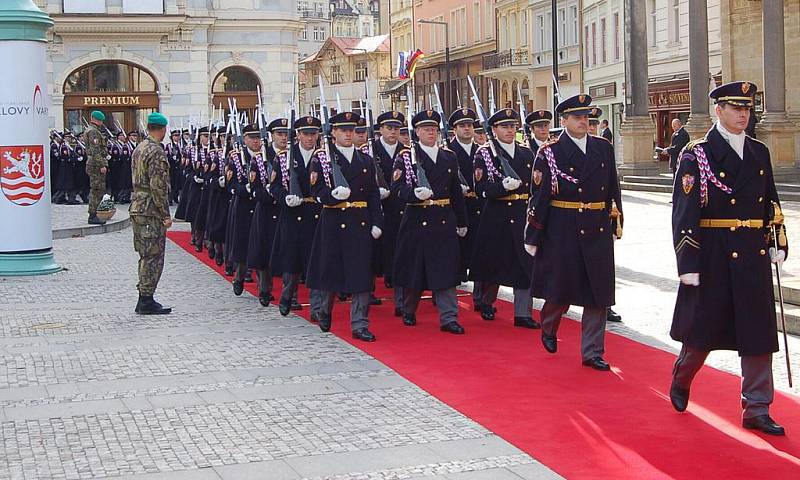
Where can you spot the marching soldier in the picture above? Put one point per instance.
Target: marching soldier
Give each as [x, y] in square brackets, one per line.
[174, 156]
[81, 178]
[243, 205]
[499, 257]
[149, 211]
[298, 215]
[385, 151]
[217, 205]
[724, 203]
[427, 255]
[67, 167]
[462, 121]
[351, 218]
[480, 134]
[539, 121]
[404, 136]
[55, 164]
[572, 215]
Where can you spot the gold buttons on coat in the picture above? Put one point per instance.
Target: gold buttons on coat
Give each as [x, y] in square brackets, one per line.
[424, 223]
[760, 199]
[299, 219]
[733, 201]
[344, 226]
[582, 232]
[721, 174]
[512, 220]
[735, 255]
[762, 252]
[571, 169]
[601, 229]
[761, 172]
[316, 216]
[363, 223]
[509, 204]
[444, 222]
[580, 190]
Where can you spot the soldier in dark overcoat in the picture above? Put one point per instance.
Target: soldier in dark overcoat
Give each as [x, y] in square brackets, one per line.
[573, 216]
[724, 206]
[427, 252]
[499, 256]
[341, 255]
[244, 204]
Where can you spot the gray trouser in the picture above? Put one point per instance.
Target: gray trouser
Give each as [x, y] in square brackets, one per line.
[445, 299]
[593, 326]
[264, 281]
[290, 283]
[359, 308]
[757, 388]
[523, 302]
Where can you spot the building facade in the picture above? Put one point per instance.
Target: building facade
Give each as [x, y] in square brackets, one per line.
[346, 65]
[129, 58]
[355, 18]
[604, 59]
[315, 26]
[470, 31]
[523, 62]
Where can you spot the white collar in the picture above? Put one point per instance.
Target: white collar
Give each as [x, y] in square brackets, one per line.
[736, 141]
[432, 152]
[538, 142]
[348, 152]
[306, 154]
[390, 149]
[580, 142]
[508, 147]
[466, 146]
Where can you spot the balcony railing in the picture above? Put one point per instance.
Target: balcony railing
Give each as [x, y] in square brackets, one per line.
[314, 14]
[507, 58]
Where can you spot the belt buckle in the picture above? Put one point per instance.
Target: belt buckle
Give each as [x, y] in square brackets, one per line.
[581, 206]
[743, 223]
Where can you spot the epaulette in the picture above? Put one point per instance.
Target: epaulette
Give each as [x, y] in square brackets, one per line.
[446, 149]
[520, 144]
[756, 140]
[694, 143]
[602, 137]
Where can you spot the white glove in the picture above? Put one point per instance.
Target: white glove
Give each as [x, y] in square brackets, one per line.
[692, 279]
[777, 256]
[341, 193]
[221, 182]
[423, 193]
[198, 179]
[293, 200]
[384, 193]
[461, 231]
[376, 232]
[464, 189]
[531, 249]
[249, 188]
[108, 157]
[510, 183]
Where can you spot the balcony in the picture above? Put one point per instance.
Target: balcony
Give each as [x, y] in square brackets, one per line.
[507, 58]
[314, 14]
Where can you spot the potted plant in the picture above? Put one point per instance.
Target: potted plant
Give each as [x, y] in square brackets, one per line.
[106, 210]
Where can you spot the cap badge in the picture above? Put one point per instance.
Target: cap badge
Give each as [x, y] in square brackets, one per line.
[464, 111]
[581, 98]
[429, 113]
[348, 116]
[745, 87]
[283, 121]
[395, 114]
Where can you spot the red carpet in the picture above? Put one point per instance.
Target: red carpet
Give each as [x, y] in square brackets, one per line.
[578, 422]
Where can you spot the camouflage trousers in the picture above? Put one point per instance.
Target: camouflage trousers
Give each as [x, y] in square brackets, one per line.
[97, 186]
[149, 241]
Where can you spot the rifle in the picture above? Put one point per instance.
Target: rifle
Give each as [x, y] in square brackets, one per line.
[238, 144]
[294, 175]
[492, 106]
[264, 133]
[336, 169]
[526, 129]
[494, 145]
[371, 138]
[444, 127]
[422, 178]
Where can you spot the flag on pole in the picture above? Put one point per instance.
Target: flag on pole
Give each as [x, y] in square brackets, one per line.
[407, 63]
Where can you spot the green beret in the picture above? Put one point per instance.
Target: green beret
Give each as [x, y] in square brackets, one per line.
[156, 118]
[99, 116]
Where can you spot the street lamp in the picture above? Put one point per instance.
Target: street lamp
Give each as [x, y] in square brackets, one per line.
[446, 60]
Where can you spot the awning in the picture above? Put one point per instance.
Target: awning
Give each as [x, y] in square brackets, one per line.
[394, 85]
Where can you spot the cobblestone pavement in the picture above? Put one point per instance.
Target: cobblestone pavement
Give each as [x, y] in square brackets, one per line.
[220, 389]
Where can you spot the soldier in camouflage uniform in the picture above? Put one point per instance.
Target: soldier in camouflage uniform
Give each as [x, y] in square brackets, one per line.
[149, 211]
[96, 165]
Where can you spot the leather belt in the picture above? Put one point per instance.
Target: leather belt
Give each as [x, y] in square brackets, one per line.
[442, 202]
[733, 223]
[579, 206]
[309, 200]
[471, 195]
[516, 196]
[348, 205]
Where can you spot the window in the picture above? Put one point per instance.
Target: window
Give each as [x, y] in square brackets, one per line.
[109, 77]
[675, 18]
[651, 28]
[562, 27]
[504, 33]
[462, 26]
[576, 31]
[586, 45]
[603, 44]
[304, 33]
[84, 6]
[616, 36]
[355, 107]
[488, 17]
[319, 34]
[594, 43]
[336, 74]
[541, 33]
[523, 34]
[476, 21]
[512, 30]
[549, 30]
[235, 79]
[360, 72]
[143, 6]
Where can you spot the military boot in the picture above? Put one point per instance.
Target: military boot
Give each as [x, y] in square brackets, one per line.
[93, 220]
[147, 306]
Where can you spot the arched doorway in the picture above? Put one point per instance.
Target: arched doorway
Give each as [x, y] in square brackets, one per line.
[125, 92]
[241, 84]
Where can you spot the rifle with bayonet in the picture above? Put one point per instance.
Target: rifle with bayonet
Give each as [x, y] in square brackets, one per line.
[371, 138]
[494, 144]
[422, 178]
[294, 175]
[526, 129]
[444, 128]
[327, 140]
[238, 142]
[266, 138]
